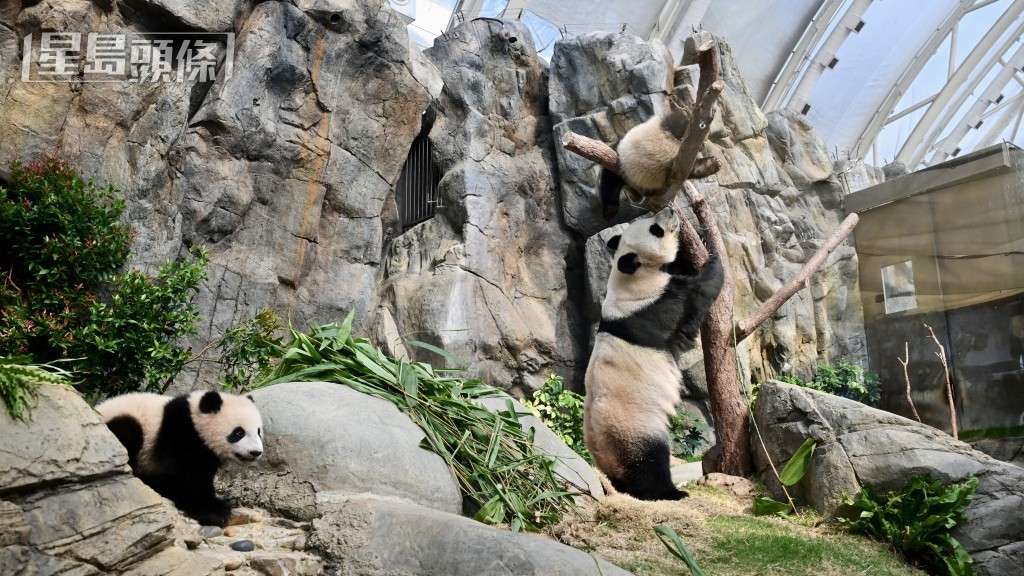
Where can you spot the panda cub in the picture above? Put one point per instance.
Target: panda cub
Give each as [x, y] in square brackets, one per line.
[175, 445]
[646, 154]
[650, 311]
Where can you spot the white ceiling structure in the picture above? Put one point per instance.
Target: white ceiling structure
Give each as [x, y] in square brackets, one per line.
[919, 81]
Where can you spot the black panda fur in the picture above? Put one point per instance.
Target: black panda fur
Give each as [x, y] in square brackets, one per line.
[176, 445]
[653, 310]
[646, 154]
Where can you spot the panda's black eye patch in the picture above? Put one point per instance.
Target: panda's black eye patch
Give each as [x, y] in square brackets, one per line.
[236, 435]
[657, 230]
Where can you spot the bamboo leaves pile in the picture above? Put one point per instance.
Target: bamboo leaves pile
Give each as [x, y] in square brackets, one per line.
[491, 455]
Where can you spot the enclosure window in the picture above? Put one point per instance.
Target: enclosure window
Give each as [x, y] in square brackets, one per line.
[898, 287]
[416, 194]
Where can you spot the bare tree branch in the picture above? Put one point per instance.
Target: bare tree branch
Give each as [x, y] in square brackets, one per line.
[906, 377]
[746, 326]
[593, 150]
[949, 385]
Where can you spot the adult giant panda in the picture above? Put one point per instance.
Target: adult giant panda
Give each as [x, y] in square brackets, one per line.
[175, 445]
[652, 309]
[646, 154]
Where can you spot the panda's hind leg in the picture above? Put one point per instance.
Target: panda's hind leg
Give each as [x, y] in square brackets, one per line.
[646, 474]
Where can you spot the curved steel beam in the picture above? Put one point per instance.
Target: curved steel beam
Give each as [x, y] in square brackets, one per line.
[953, 94]
[884, 110]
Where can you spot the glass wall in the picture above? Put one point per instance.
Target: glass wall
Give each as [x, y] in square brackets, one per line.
[942, 250]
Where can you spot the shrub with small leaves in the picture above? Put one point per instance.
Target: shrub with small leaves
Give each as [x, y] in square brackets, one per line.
[250, 350]
[845, 379]
[561, 410]
[61, 296]
[917, 520]
[689, 435]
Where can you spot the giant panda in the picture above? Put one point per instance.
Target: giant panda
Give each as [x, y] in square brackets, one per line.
[652, 310]
[176, 444]
[646, 154]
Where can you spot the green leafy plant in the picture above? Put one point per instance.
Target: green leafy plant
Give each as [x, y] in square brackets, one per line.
[250, 350]
[917, 519]
[132, 339]
[61, 296]
[676, 547]
[20, 380]
[561, 410]
[791, 474]
[689, 435]
[844, 379]
[492, 456]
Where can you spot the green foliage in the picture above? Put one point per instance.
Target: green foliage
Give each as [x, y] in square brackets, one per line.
[846, 380]
[794, 471]
[19, 381]
[689, 436]
[992, 432]
[131, 341]
[917, 519]
[561, 410]
[250, 350]
[676, 547]
[491, 455]
[60, 297]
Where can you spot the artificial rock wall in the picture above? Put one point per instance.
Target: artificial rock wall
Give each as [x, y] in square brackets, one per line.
[286, 171]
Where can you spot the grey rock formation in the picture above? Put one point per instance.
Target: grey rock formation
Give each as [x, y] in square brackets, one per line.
[492, 277]
[858, 445]
[1006, 449]
[326, 441]
[378, 537]
[68, 501]
[284, 171]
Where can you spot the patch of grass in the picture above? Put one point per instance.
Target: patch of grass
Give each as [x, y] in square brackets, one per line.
[724, 538]
[747, 545]
[994, 432]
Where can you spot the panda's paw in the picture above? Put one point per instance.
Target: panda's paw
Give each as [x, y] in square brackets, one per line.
[215, 512]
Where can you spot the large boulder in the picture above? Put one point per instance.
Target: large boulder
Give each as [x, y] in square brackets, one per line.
[324, 441]
[379, 537]
[68, 501]
[858, 445]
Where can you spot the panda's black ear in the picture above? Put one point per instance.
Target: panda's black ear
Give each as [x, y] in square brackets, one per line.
[210, 403]
[613, 242]
[628, 263]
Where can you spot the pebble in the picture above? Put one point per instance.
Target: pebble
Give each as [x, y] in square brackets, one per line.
[299, 543]
[211, 531]
[243, 546]
[230, 531]
[257, 517]
[233, 562]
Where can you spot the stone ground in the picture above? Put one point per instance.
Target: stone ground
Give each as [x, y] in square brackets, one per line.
[254, 543]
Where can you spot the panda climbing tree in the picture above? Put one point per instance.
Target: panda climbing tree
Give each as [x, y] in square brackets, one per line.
[654, 184]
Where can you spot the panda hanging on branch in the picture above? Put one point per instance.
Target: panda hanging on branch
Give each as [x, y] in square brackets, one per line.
[657, 298]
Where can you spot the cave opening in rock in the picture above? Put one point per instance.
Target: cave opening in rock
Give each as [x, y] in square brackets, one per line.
[416, 193]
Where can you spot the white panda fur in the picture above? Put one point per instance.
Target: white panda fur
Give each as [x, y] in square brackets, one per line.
[176, 444]
[652, 309]
[646, 154]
